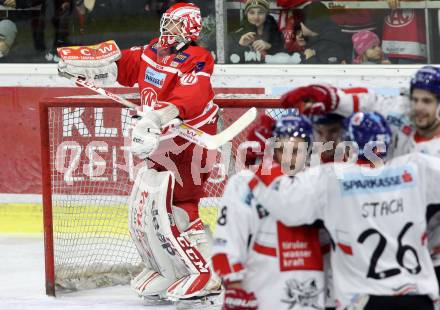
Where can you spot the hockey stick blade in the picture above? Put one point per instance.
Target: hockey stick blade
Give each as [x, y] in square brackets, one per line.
[211, 142]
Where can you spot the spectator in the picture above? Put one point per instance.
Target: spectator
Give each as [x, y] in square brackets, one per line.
[322, 35]
[301, 45]
[60, 21]
[35, 19]
[301, 53]
[368, 49]
[404, 35]
[289, 18]
[258, 35]
[354, 20]
[8, 32]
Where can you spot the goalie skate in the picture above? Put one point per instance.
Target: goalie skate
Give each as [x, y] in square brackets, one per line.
[150, 285]
[212, 301]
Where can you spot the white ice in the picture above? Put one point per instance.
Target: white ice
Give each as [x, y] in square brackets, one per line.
[22, 282]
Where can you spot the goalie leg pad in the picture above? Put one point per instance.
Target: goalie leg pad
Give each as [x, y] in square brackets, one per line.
[149, 191]
[195, 251]
[187, 243]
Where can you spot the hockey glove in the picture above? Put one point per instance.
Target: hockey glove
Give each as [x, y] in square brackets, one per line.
[312, 99]
[145, 135]
[148, 127]
[259, 132]
[239, 299]
[95, 63]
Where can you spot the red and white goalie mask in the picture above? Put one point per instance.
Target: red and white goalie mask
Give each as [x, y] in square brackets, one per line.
[179, 25]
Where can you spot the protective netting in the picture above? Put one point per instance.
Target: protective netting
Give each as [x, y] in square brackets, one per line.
[92, 173]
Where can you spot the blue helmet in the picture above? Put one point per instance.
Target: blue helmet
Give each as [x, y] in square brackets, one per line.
[294, 125]
[364, 127]
[427, 78]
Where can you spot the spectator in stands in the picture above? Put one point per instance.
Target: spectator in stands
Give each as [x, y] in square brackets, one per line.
[289, 18]
[368, 49]
[322, 35]
[258, 35]
[298, 52]
[36, 19]
[404, 35]
[60, 21]
[354, 20]
[8, 32]
[301, 45]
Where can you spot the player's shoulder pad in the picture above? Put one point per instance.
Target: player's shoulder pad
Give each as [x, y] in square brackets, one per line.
[241, 177]
[240, 180]
[401, 122]
[413, 158]
[136, 48]
[267, 175]
[236, 187]
[153, 45]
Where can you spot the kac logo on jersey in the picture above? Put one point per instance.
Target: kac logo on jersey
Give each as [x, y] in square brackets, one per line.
[388, 180]
[155, 78]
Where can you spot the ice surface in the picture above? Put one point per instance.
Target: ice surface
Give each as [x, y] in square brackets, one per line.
[22, 282]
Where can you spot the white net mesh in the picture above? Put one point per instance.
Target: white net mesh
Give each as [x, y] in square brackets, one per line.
[92, 174]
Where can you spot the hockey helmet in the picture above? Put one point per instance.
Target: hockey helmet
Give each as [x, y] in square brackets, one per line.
[427, 78]
[294, 125]
[365, 127]
[180, 25]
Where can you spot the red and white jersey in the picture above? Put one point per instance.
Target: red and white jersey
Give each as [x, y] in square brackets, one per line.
[182, 79]
[281, 265]
[404, 35]
[405, 140]
[376, 217]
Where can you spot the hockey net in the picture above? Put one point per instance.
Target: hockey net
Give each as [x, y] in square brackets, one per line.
[88, 173]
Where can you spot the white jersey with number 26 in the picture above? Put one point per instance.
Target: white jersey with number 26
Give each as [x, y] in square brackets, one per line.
[396, 110]
[376, 218]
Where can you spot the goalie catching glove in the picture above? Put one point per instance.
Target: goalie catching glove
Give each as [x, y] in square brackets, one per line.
[147, 130]
[94, 63]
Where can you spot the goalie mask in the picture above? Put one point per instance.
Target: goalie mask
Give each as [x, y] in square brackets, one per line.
[180, 25]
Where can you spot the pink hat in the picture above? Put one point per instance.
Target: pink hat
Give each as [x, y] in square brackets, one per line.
[363, 40]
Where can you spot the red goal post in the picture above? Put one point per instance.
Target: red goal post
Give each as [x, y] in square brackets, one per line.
[87, 175]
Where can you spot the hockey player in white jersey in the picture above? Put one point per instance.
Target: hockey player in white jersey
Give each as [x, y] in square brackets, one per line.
[376, 215]
[265, 264]
[327, 133]
[415, 121]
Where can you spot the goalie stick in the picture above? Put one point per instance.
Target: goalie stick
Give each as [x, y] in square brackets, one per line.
[211, 142]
